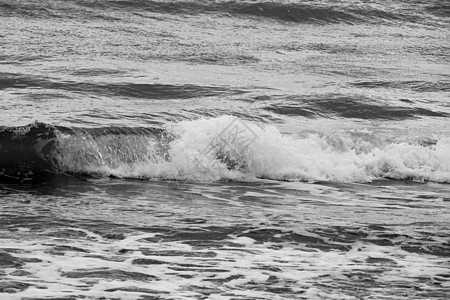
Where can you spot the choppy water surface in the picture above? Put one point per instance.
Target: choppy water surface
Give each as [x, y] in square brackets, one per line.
[224, 150]
[262, 240]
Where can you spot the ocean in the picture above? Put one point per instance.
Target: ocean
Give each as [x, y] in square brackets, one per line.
[224, 149]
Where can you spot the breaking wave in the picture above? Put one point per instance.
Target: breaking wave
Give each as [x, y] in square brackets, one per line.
[224, 148]
[129, 90]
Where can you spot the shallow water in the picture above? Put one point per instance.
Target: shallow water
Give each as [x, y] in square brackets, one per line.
[75, 239]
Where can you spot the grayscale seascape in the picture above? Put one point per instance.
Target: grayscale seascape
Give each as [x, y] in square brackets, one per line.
[224, 149]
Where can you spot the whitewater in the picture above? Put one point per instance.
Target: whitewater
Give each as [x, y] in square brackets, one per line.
[226, 148]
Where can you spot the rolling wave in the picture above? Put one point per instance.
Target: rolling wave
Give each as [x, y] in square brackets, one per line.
[135, 90]
[307, 12]
[224, 148]
[39, 149]
[414, 85]
[346, 106]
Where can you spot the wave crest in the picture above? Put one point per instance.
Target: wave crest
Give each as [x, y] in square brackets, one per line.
[224, 148]
[233, 149]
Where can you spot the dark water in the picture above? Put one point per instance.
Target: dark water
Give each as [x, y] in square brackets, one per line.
[224, 149]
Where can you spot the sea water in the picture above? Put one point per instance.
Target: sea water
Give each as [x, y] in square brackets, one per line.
[224, 149]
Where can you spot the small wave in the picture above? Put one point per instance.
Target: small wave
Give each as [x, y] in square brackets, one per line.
[298, 13]
[134, 90]
[346, 106]
[224, 148]
[97, 72]
[288, 12]
[414, 85]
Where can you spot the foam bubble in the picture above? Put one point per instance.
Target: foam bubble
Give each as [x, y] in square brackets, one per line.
[226, 147]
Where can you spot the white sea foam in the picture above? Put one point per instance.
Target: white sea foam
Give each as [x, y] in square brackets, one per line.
[227, 148]
[131, 239]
